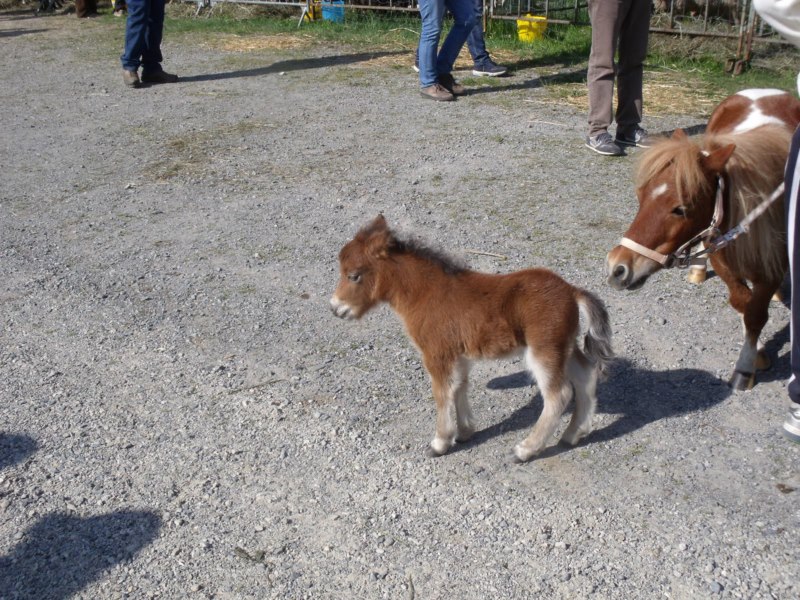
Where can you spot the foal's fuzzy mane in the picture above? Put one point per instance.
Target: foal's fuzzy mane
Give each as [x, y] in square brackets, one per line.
[448, 264]
[754, 170]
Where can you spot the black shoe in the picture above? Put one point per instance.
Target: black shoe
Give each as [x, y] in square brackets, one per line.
[451, 85]
[603, 143]
[635, 136]
[158, 77]
[488, 68]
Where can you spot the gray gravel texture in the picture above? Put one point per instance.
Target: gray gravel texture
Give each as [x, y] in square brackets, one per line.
[183, 417]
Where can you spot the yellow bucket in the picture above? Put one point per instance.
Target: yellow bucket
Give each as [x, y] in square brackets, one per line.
[531, 28]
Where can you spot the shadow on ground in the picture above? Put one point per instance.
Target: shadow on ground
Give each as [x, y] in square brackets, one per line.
[62, 553]
[639, 396]
[15, 448]
[299, 64]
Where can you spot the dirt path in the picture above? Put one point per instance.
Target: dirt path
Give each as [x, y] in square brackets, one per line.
[182, 417]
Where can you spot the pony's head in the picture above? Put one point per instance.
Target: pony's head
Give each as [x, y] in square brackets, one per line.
[676, 184]
[359, 262]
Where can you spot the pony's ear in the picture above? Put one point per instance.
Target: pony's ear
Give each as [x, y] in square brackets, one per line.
[715, 160]
[380, 243]
[679, 134]
[378, 224]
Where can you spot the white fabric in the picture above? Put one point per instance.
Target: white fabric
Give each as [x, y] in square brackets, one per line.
[784, 17]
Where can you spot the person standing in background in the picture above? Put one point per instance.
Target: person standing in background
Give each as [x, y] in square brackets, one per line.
[143, 32]
[617, 25]
[784, 17]
[435, 77]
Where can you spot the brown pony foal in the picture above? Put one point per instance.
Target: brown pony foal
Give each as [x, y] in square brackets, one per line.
[454, 315]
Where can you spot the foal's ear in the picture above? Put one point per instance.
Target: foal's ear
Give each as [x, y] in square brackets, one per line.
[378, 223]
[715, 160]
[380, 243]
[679, 134]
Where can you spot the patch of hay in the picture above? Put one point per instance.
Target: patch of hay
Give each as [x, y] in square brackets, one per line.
[254, 43]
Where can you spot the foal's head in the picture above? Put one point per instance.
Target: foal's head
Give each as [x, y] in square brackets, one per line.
[676, 184]
[359, 261]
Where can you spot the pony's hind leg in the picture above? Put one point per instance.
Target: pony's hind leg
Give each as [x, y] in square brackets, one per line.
[583, 376]
[549, 375]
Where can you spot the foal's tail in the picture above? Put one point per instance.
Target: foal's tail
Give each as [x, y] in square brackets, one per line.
[597, 343]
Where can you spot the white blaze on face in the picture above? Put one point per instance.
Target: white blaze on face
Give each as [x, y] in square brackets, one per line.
[658, 191]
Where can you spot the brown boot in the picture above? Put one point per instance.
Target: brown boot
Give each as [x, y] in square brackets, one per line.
[451, 85]
[437, 92]
[131, 78]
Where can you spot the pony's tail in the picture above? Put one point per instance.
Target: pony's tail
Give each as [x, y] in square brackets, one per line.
[597, 342]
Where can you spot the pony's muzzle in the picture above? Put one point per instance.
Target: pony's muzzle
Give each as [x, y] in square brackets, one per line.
[340, 309]
[619, 273]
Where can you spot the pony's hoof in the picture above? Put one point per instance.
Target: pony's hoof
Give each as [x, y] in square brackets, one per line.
[431, 453]
[777, 296]
[522, 455]
[696, 276]
[742, 381]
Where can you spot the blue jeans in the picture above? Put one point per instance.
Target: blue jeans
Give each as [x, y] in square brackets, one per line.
[475, 41]
[431, 64]
[143, 31]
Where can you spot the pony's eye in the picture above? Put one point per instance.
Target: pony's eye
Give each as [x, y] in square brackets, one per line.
[679, 210]
[355, 277]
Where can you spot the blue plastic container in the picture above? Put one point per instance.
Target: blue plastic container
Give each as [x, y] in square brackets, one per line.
[333, 11]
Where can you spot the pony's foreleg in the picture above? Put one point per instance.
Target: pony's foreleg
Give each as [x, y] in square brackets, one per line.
[465, 422]
[556, 395]
[752, 357]
[444, 395]
[583, 376]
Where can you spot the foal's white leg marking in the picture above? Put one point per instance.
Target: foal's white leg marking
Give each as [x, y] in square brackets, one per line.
[460, 382]
[556, 396]
[659, 190]
[584, 380]
[755, 94]
[445, 424]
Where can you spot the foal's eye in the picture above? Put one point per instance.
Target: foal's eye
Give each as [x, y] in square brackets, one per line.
[355, 277]
[679, 210]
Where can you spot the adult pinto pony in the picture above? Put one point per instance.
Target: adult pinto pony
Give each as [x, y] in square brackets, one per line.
[712, 191]
[455, 315]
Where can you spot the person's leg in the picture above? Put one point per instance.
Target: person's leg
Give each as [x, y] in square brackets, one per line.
[633, 35]
[463, 12]
[600, 76]
[135, 34]
[475, 41]
[151, 55]
[431, 13]
[792, 196]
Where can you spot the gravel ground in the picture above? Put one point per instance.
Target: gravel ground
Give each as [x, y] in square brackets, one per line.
[183, 417]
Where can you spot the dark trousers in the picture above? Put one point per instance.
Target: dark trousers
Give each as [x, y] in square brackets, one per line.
[143, 31]
[792, 196]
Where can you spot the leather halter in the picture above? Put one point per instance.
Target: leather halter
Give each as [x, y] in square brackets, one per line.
[683, 255]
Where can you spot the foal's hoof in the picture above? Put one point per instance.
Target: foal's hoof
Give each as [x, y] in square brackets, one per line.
[742, 381]
[431, 453]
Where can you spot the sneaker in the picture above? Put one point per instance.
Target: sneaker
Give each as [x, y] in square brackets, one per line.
[119, 13]
[451, 85]
[488, 68]
[159, 77]
[791, 427]
[634, 137]
[131, 78]
[602, 143]
[437, 92]
[416, 60]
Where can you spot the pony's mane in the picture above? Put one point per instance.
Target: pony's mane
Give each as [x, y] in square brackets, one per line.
[684, 154]
[450, 265]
